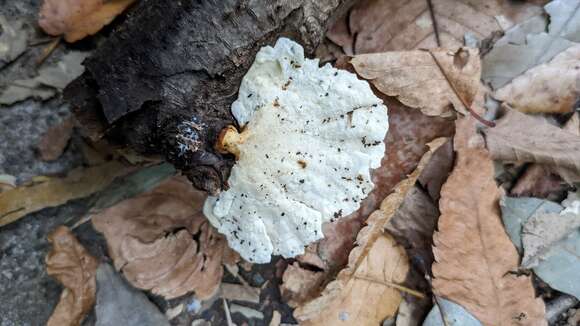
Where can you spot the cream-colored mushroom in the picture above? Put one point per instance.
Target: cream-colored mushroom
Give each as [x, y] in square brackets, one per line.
[310, 137]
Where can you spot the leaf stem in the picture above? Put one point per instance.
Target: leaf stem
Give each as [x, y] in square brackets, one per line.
[461, 99]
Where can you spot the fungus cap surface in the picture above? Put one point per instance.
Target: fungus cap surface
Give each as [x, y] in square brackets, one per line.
[310, 137]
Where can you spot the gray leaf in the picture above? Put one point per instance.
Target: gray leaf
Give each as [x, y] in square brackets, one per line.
[120, 304]
[455, 315]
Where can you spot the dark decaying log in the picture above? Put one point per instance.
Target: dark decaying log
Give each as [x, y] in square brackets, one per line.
[163, 82]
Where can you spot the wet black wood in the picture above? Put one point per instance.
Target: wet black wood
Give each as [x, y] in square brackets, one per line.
[163, 82]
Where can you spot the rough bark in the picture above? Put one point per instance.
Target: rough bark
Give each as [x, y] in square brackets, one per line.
[164, 81]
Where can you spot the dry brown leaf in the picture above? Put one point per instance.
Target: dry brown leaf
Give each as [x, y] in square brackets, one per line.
[71, 264]
[51, 192]
[151, 240]
[237, 292]
[376, 268]
[76, 19]
[572, 126]
[55, 139]
[551, 87]
[379, 26]
[406, 142]
[539, 182]
[473, 254]
[300, 285]
[543, 181]
[518, 137]
[413, 225]
[431, 81]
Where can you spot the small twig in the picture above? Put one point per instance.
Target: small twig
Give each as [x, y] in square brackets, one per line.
[394, 286]
[434, 21]
[227, 311]
[41, 41]
[461, 99]
[82, 221]
[436, 300]
[47, 51]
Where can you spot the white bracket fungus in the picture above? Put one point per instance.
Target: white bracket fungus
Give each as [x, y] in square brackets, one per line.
[310, 136]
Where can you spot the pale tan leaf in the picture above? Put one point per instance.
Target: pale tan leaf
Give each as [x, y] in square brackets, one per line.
[431, 81]
[71, 264]
[518, 137]
[54, 140]
[7, 182]
[367, 291]
[378, 26]
[548, 88]
[237, 292]
[76, 19]
[473, 254]
[51, 192]
[151, 240]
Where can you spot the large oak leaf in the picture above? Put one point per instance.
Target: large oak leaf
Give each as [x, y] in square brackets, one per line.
[474, 257]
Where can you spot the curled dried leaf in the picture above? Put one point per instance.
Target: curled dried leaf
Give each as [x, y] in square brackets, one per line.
[151, 240]
[76, 19]
[71, 264]
[18, 202]
[434, 81]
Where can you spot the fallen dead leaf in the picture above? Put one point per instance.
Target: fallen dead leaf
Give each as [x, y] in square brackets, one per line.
[544, 231]
[437, 170]
[13, 40]
[55, 139]
[76, 19]
[171, 313]
[151, 240]
[118, 303]
[247, 312]
[434, 81]
[71, 264]
[544, 181]
[378, 26]
[376, 268]
[276, 319]
[532, 42]
[519, 138]
[52, 192]
[413, 225]
[238, 292]
[300, 285]
[516, 211]
[473, 255]
[538, 181]
[50, 79]
[570, 175]
[7, 182]
[551, 87]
